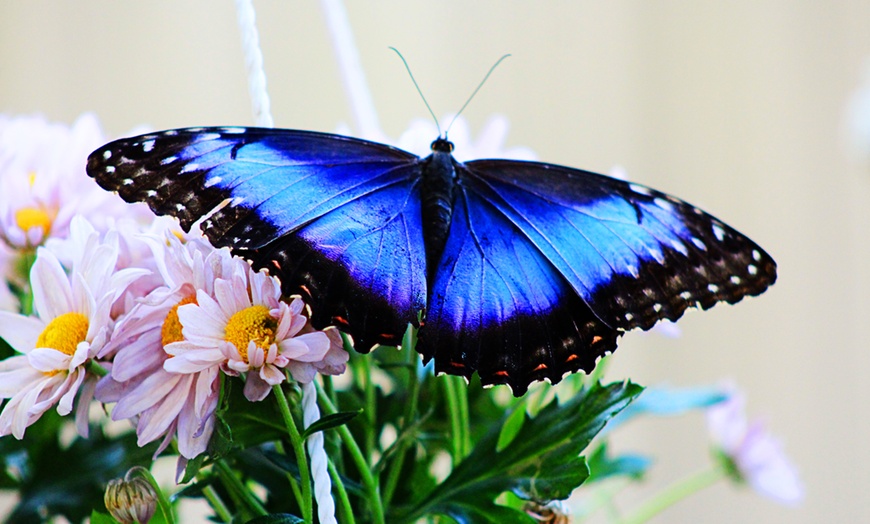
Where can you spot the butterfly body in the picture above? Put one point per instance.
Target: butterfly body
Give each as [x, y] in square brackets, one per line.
[522, 271]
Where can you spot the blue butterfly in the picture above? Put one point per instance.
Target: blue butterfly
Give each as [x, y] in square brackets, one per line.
[519, 271]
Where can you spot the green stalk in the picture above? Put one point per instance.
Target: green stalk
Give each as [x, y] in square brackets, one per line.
[409, 418]
[343, 500]
[235, 486]
[306, 503]
[214, 500]
[675, 493]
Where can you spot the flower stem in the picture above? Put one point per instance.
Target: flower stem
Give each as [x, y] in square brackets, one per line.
[306, 503]
[456, 396]
[368, 479]
[214, 500]
[409, 418]
[341, 492]
[675, 493]
[235, 486]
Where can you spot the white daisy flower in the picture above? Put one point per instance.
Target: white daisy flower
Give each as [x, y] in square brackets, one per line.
[71, 325]
[246, 328]
[165, 404]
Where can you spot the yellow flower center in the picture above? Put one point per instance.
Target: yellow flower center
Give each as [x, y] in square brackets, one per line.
[251, 324]
[64, 333]
[28, 217]
[171, 330]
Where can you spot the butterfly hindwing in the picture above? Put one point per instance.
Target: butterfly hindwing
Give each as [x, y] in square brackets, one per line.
[335, 218]
[499, 307]
[633, 254]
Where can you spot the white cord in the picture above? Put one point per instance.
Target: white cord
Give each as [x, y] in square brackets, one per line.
[263, 117]
[317, 455]
[352, 74]
[254, 63]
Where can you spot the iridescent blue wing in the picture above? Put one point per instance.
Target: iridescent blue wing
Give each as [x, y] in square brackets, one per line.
[546, 265]
[499, 307]
[336, 219]
[633, 254]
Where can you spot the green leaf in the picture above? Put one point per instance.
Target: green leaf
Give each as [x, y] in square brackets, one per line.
[511, 426]
[542, 462]
[329, 422]
[102, 518]
[276, 518]
[603, 466]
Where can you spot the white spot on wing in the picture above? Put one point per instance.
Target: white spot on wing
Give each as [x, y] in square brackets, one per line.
[719, 232]
[753, 270]
[107, 154]
[699, 243]
[190, 167]
[168, 160]
[713, 288]
[211, 181]
[233, 130]
[756, 255]
[640, 189]
[110, 169]
[664, 204]
[735, 279]
[686, 295]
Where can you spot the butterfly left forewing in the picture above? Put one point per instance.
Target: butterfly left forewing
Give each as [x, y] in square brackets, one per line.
[633, 254]
[335, 218]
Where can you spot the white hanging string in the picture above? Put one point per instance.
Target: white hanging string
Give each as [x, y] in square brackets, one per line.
[319, 462]
[254, 63]
[317, 455]
[352, 74]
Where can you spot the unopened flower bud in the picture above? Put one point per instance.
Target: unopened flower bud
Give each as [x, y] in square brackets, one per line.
[131, 499]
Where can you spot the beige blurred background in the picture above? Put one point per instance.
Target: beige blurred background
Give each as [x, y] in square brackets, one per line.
[738, 107]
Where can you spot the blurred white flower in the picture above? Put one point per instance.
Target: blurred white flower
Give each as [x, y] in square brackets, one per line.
[754, 455]
[71, 325]
[857, 117]
[43, 182]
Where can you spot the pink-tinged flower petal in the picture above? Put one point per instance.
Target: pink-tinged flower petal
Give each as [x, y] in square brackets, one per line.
[19, 331]
[75, 379]
[16, 374]
[256, 389]
[768, 469]
[52, 294]
[310, 347]
[48, 360]
[256, 355]
[302, 372]
[271, 375]
[151, 390]
[86, 395]
[143, 354]
[192, 361]
[194, 433]
[154, 422]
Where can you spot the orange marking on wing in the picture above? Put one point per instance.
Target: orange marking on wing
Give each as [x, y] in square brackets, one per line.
[540, 367]
[571, 357]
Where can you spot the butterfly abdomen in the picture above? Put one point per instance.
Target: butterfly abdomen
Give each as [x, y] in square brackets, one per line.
[437, 197]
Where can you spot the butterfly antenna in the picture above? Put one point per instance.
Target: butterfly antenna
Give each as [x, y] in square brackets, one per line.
[491, 69]
[420, 91]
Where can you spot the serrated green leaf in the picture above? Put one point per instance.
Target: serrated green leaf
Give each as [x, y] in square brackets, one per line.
[329, 422]
[511, 426]
[542, 462]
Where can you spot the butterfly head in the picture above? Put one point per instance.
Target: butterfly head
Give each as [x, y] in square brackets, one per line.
[442, 145]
